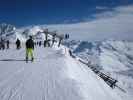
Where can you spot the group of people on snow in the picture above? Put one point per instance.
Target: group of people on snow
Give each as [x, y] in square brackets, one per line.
[4, 44]
[29, 44]
[29, 47]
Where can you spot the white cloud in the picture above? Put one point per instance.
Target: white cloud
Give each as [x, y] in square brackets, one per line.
[116, 24]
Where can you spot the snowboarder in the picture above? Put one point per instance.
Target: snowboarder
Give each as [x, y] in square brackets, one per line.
[29, 49]
[18, 44]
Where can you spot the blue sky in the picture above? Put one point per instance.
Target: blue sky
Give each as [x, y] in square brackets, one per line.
[32, 12]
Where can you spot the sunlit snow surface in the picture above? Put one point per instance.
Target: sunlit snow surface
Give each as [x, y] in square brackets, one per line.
[52, 76]
[115, 58]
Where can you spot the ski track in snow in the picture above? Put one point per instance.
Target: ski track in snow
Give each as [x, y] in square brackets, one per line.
[48, 77]
[34, 81]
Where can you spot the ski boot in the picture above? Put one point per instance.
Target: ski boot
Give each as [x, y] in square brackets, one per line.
[26, 59]
[32, 59]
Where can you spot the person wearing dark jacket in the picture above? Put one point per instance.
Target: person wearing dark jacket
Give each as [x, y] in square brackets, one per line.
[29, 49]
[7, 44]
[18, 44]
[53, 39]
[2, 44]
[60, 40]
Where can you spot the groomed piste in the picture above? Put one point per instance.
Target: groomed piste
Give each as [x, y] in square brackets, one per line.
[53, 75]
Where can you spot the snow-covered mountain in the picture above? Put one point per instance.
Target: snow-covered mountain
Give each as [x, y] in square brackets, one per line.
[113, 57]
[6, 28]
[7, 31]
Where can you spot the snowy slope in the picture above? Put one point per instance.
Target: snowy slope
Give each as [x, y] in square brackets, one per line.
[52, 76]
[113, 57]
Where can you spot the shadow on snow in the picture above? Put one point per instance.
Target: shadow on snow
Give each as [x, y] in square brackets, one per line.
[12, 60]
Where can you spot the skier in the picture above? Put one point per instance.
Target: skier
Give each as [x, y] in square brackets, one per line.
[66, 36]
[53, 39]
[2, 44]
[60, 40]
[47, 43]
[40, 43]
[18, 44]
[70, 53]
[29, 48]
[7, 44]
[35, 43]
